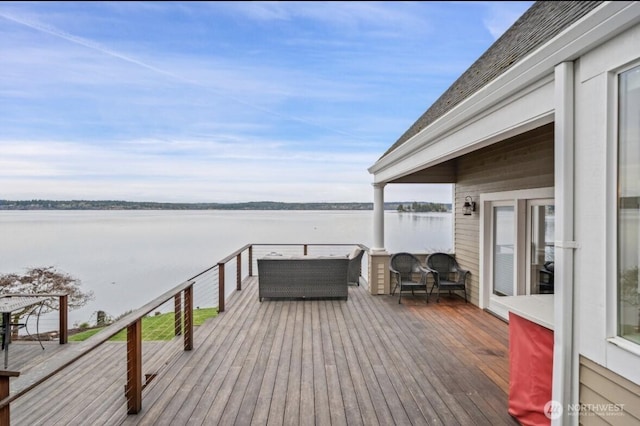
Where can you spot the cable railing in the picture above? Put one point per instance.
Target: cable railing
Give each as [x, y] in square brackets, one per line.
[149, 339]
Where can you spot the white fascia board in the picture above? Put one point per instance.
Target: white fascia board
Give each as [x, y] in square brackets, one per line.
[594, 28]
[516, 115]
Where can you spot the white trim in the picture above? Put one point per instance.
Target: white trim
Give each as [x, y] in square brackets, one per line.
[628, 346]
[518, 199]
[611, 210]
[524, 194]
[520, 247]
[530, 276]
[485, 247]
[490, 207]
[516, 115]
[567, 244]
[622, 356]
[565, 357]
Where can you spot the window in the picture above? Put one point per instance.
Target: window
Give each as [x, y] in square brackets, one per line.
[503, 250]
[541, 246]
[628, 298]
[517, 251]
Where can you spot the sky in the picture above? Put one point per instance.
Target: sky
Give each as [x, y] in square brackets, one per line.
[224, 101]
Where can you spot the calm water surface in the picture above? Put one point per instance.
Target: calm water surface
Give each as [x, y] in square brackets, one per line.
[127, 258]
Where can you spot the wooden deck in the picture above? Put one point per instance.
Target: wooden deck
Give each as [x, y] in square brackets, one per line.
[364, 361]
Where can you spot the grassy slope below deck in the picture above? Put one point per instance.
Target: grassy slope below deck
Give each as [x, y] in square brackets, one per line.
[155, 327]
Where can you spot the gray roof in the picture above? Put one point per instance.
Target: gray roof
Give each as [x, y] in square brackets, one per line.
[539, 24]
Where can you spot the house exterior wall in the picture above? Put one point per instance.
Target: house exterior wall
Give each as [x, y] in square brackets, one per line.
[605, 397]
[521, 162]
[595, 202]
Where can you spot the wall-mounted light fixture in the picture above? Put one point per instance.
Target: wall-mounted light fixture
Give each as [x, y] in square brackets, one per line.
[469, 206]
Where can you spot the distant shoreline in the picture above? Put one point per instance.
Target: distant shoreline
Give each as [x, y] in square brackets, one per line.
[254, 205]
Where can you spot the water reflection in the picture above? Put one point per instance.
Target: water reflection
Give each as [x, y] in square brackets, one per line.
[418, 232]
[129, 257]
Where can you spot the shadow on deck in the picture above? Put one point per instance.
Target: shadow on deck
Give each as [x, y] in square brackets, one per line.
[367, 360]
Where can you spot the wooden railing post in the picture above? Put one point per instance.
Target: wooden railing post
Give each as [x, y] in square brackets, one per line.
[305, 251]
[64, 312]
[5, 413]
[134, 367]
[188, 318]
[220, 287]
[177, 309]
[250, 261]
[239, 272]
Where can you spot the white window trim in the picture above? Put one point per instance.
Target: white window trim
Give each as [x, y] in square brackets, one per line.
[622, 355]
[519, 198]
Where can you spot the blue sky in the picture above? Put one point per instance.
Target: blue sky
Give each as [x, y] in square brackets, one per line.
[224, 101]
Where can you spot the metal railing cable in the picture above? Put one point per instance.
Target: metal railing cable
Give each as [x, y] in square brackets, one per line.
[158, 332]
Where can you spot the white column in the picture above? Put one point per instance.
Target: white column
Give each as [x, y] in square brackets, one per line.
[565, 359]
[378, 217]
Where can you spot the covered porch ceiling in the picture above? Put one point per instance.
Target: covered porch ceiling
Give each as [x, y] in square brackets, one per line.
[448, 171]
[445, 172]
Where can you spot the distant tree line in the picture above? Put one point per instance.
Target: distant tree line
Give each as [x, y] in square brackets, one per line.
[254, 205]
[424, 207]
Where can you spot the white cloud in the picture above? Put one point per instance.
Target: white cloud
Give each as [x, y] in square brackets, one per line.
[222, 100]
[217, 173]
[372, 18]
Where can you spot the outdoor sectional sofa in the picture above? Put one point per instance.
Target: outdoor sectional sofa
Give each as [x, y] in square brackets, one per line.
[304, 276]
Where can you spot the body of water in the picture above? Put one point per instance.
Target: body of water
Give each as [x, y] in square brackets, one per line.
[127, 258]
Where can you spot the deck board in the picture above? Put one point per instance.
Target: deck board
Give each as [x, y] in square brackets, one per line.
[364, 361]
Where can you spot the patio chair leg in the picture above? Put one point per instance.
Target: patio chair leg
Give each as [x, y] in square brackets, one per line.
[437, 295]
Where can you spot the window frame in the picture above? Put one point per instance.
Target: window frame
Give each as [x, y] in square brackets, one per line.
[519, 199]
[620, 352]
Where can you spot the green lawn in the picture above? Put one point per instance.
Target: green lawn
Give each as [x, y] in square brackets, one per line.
[155, 327]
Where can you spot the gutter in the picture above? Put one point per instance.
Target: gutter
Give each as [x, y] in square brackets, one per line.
[564, 389]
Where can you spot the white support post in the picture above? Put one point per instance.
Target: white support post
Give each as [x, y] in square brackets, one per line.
[378, 217]
[379, 282]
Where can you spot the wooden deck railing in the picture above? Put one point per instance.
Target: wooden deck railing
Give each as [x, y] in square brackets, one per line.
[219, 275]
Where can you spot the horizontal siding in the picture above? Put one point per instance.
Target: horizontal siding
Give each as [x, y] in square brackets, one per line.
[523, 162]
[601, 388]
[441, 173]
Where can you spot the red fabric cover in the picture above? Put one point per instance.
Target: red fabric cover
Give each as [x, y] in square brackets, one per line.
[530, 369]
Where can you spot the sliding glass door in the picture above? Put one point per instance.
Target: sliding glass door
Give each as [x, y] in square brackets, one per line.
[503, 250]
[518, 248]
[540, 246]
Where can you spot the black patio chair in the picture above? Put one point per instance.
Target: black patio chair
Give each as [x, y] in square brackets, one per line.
[355, 266]
[448, 276]
[546, 278]
[409, 274]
